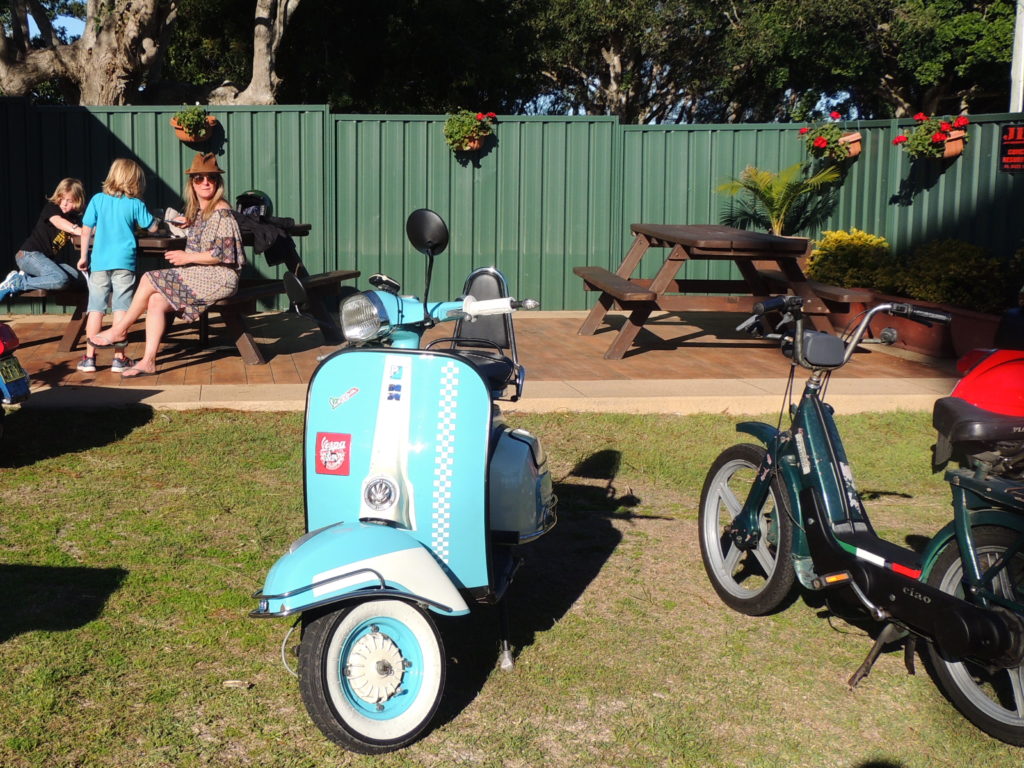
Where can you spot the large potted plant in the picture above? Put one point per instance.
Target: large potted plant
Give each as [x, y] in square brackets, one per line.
[193, 123]
[781, 202]
[465, 130]
[934, 137]
[827, 140]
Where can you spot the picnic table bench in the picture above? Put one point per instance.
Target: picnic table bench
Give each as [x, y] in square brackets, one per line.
[232, 310]
[768, 264]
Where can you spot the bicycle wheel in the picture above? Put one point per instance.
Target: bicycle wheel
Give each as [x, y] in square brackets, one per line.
[754, 581]
[991, 698]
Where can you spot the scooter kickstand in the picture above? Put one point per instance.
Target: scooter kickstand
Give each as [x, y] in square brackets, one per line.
[890, 633]
[505, 661]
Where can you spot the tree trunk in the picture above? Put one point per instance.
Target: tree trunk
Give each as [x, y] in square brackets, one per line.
[272, 17]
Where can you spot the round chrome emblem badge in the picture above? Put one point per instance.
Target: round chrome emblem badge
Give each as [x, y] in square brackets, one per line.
[380, 493]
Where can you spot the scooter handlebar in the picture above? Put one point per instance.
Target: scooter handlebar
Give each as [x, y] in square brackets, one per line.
[480, 307]
[920, 314]
[778, 304]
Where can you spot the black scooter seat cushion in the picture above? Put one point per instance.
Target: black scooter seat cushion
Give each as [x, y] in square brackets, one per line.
[960, 421]
[498, 371]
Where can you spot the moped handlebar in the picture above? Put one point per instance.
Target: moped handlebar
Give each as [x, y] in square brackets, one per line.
[920, 314]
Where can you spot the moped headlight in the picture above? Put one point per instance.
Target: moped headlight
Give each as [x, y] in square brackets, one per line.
[363, 317]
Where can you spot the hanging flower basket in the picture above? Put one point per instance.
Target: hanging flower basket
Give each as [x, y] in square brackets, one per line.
[934, 137]
[193, 124]
[465, 130]
[827, 140]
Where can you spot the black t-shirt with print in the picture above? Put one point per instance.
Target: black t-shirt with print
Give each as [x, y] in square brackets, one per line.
[49, 240]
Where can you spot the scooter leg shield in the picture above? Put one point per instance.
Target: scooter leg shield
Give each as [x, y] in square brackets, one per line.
[342, 561]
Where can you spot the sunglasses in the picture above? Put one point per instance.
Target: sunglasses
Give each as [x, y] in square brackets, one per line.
[213, 178]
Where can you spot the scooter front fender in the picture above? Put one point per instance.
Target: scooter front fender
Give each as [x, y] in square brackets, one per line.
[346, 561]
[766, 433]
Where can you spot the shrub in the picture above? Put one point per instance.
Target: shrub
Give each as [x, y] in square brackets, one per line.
[962, 274]
[854, 259]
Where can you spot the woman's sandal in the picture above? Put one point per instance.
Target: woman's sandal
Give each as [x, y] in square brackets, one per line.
[134, 373]
[107, 344]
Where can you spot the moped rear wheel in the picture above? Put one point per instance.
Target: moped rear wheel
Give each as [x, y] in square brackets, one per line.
[372, 674]
[752, 581]
[991, 698]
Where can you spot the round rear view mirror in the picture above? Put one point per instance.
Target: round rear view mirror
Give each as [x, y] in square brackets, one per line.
[427, 232]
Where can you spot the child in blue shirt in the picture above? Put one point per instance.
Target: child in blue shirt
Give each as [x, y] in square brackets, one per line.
[114, 215]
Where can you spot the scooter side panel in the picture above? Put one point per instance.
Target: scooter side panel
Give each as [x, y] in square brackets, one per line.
[336, 561]
[402, 437]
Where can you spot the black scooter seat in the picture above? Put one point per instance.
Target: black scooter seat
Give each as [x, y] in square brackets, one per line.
[498, 371]
[959, 421]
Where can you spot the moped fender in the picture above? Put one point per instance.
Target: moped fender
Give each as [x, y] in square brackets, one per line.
[347, 561]
[947, 534]
[766, 433]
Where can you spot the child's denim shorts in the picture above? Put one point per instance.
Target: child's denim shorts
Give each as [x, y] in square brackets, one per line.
[114, 285]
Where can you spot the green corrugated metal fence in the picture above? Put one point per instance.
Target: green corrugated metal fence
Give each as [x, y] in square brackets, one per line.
[546, 194]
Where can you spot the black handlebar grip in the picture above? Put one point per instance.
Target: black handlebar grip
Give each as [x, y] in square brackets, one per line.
[773, 304]
[932, 315]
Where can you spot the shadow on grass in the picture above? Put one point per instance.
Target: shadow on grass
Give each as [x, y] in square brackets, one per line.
[54, 599]
[32, 435]
[557, 570]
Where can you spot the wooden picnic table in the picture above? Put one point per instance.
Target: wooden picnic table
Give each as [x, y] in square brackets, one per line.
[769, 265]
[233, 310]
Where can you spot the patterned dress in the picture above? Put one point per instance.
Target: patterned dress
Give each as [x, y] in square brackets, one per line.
[191, 288]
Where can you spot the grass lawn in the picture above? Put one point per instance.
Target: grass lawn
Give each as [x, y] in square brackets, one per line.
[131, 541]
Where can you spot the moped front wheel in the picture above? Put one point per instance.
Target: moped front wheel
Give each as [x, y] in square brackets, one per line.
[990, 697]
[757, 580]
[372, 674]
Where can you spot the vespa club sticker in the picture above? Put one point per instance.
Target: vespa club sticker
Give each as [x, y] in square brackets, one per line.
[336, 401]
[332, 453]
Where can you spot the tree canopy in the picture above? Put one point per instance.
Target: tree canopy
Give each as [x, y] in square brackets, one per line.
[643, 60]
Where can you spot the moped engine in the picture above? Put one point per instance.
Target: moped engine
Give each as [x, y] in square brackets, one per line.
[521, 501]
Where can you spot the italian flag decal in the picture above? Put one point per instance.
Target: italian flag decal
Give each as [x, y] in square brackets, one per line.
[913, 573]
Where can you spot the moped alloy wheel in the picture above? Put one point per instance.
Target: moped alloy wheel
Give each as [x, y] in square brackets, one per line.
[372, 674]
[991, 698]
[756, 581]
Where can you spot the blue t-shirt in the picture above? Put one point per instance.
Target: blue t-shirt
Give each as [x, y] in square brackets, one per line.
[114, 220]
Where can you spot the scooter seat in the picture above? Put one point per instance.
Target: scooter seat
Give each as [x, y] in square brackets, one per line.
[959, 422]
[498, 371]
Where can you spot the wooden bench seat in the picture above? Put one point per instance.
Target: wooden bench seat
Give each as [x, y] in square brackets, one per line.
[834, 296]
[600, 279]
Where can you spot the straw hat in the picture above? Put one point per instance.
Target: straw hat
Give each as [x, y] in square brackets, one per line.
[204, 164]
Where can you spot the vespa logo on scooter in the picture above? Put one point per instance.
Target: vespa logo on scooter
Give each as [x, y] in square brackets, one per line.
[332, 453]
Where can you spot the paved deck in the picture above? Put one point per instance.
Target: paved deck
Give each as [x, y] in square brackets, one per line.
[697, 365]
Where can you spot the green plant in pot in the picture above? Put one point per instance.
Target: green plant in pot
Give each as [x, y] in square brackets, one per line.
[935, 137]
[465, 130]
[193, 123]
[781, 202]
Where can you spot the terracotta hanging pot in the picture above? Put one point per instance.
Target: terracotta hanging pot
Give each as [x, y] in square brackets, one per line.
[473, 143]
[954, 145]
[853, 141]
[203, 134]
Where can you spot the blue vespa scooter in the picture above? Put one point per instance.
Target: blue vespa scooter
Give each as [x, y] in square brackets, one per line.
[416, 495]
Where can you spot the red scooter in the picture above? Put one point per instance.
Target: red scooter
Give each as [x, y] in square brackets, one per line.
[981, 418]
[14, 380]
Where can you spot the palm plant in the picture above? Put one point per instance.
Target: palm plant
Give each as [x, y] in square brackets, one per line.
[782, 202]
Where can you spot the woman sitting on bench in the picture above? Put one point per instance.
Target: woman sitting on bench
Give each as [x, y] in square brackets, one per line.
[207, 270]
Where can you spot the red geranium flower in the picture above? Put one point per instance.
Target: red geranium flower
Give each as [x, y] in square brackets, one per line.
[491, 115]
[821, 142]
[479, 115]
[834, 115]
[899, 139]
[804, 130]
[944, 126]
[938, 137]
[961, 121]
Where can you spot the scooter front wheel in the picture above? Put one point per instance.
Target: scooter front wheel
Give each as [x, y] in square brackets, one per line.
[372, 674]
[752, 581]
[991, 698]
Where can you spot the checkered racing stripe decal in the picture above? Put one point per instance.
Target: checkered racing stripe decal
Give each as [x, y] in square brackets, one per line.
[443, 460]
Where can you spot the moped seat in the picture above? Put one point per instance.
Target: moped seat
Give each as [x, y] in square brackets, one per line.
[498, 371]
[959, 421]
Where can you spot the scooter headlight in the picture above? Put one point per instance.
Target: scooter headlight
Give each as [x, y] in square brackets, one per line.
[363, 317]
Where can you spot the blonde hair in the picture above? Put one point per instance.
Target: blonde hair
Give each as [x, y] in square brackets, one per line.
[191, 199]
[125, 179]
[69, 188]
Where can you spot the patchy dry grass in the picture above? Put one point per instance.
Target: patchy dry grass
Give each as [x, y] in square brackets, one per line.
[130, 542]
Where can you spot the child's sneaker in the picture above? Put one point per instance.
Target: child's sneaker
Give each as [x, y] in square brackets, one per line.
[121, 364]
[87, 364]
